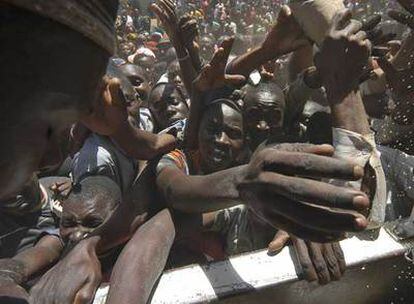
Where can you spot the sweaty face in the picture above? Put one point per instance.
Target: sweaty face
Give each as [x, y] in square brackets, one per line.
[221, 138]
[167, 104]
[263, 117]
[138, 80]
[80, 218]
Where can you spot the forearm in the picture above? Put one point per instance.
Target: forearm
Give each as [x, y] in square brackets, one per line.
[143, 145]
[193, 123]
[142, 261]
[199, 194]
[32, 261]
[188, 72]
[349, 114]
[195, 58]
[247, 63]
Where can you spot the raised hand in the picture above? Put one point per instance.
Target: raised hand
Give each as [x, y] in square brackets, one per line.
[165, 10]
[285, 36]
[109, 112]
[213, 75]
[189, 31]
[343, 56]
[280, 185]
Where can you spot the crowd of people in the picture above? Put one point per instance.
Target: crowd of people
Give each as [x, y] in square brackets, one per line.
[139, 140]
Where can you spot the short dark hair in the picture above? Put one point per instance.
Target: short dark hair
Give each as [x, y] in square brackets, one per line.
[96, 186]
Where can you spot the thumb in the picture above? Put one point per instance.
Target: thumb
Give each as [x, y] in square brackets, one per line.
[115, 98]
[386, 66]
[234, 80]
[278, 242]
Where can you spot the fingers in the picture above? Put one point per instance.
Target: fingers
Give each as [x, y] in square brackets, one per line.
[319, 262]
[311, 215]
[331, 262]
[234, 80]
[353, 27]
[308, 270]
[278, 242]
[361, 36]
[309, 165]
[221, 56]
[87, 293]
[326, 150]
[298, 229]
[116, 97]
[386, 66]
[402, 17]
[336, 248]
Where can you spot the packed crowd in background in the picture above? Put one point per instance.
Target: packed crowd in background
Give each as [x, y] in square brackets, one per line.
[139, 137]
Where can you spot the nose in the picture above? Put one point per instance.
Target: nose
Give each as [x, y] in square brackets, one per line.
[221, 138]
[78, 236]
[262, 126]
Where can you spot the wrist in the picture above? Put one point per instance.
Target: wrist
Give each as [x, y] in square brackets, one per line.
[240, 175]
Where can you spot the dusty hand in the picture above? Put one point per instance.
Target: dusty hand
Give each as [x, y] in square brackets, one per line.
[189, 31]
[165, 10]
[213, 75]
[73, 280]
[343, 56]
[109, 111]
[285, 36]
[279, 186]
[321, 262]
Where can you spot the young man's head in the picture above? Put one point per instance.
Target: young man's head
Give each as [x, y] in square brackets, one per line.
[221, 136]
[167, 104]
[138, 78]
[89, 205]
[51, 68]
[264, 107]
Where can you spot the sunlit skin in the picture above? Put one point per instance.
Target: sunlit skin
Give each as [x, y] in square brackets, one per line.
[221, 138]
[167, 105]
[138, 78]
[80, 218]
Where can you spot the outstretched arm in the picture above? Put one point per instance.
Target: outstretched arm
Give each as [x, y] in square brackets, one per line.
[110, 117]
[142, 261]
[285, 37]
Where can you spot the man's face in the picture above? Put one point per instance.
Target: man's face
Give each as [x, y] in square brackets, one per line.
[139, 81]
[263, 117]
[221, 138]
[80, 218]
[46, 91]
[167, 104]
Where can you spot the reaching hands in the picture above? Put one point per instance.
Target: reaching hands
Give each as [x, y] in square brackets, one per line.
[343, 56]
[213, 75]
[285, 36]
[319, 262]
[166, 13]
[109, 110]
[280, 185]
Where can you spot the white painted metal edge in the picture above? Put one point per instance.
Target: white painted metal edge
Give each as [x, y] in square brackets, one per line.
[203, 283]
